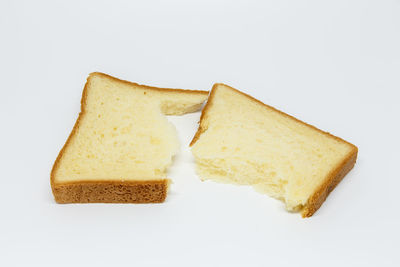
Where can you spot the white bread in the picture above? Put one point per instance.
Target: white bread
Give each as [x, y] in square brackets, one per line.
[243, 141]
[121, 144]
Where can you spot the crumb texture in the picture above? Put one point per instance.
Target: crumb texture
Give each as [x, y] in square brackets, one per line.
[122, 135]
[243, 141]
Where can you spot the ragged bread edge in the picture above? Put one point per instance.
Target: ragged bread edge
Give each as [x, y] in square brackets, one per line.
[330, 182]
[103, 191]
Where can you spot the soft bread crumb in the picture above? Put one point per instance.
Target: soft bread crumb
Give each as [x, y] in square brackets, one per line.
[122, 143]
[243, 141]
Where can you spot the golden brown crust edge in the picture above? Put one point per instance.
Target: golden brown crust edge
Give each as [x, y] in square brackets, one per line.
[320, 195]
[151, 191]
[174, 90]
[111, 192]
[333, 179]
[208, 104]
[57, 192]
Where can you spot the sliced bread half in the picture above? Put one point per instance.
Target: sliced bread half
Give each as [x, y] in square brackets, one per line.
[121, 144]
[241, 140]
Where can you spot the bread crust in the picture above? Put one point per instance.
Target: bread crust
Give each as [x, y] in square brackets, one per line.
[173, 90]
[330, 182]
[109, 191]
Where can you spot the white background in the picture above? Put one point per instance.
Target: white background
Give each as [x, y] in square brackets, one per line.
[334, 64]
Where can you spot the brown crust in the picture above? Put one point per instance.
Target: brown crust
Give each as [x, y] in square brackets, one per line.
[109, 191]
[174, 90]
[319, 196]
[207, 106]
[333, 179]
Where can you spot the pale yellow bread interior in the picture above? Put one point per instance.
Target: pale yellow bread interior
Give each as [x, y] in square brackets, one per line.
[243, 141]
[122, 133]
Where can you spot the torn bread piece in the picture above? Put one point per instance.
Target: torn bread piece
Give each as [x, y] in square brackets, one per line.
[122, 143]
[241, 140]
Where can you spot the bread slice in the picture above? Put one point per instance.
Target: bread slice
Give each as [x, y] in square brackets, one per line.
[121, 144]
[240, 140]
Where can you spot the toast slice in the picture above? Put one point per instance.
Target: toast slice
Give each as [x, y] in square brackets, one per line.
[121, 144]
[242, 141]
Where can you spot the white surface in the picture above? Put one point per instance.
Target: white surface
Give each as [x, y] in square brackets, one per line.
[334, 64]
